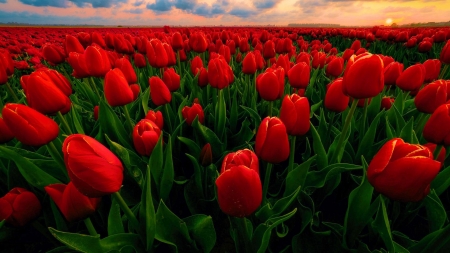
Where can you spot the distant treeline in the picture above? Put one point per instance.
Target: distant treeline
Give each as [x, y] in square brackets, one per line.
[314, 25]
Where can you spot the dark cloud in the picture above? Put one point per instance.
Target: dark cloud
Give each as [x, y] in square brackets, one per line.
[138, 3]
[2, 1]
[209, 11]
[135, 11]
[242, 12]
[265, 4]
[185, 5]
[33, 18]
[79, 3]
[52, 3]
[160, 6]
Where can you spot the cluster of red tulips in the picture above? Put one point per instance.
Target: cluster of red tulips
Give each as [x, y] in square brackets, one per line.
[152, 137]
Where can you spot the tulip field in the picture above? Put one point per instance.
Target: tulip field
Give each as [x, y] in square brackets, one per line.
[224, 139]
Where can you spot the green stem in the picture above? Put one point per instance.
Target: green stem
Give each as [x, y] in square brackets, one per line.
[244, 235]
[327, 136]
[270, 108]
[127, 116]
[255, 93]
[179, 62]
[64, 123]
[94, 86]
[363, 128]
[11, 92]
[90, 227]
[443, 71]
[337, 155]
[169, 122]
[266, 181]
[437, 151]
[131, 217]
[54, 153]
[291, 156]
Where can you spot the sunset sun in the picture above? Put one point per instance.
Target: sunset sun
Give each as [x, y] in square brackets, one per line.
[388, 21]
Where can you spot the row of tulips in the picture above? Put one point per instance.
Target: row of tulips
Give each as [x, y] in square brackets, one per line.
[136, 146]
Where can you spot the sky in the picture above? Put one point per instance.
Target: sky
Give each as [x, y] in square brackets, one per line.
[223, 12]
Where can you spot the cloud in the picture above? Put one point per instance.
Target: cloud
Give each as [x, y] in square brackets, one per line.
[138, 3]
[209, 11]
[135, 11]
[160, 6]
[265, 4]
[52, 3]
[185, 5]
[2, 1]
[79, 3]
[33, 18]
[242, 12]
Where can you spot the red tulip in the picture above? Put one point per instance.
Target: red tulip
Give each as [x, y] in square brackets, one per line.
[239, 189]
[363, 76]
[272, 144]
[159, 92]
[177, 41]
[5, 134]
[347, 54]
[97, 38]
[269, 50]
[412, 78]
[270, 84]
[72, 44]
[97, 61]
[432, 69]
[299, 75]
[171, 79]
[28, 125]
[392, 72]
[249, 64]
[190, 113]
[206, 155]
[335, 99]
[437, 128]
[96, 112]
[156, 117]
[196, 65]
[139, 60]
[93, 169]
[294, 113]
[72, 203]
[424, 46]
[78, 63]
[335, 67]
[156, 54]
[387, 102]
[145, 136]
[220, 74]
[125, 66]
[203, 77]
[19, 206]
[53, 54]
[117, 90]
[431, 97]
[445, 53]
[441, 156]
[403, 171]
[198, 43]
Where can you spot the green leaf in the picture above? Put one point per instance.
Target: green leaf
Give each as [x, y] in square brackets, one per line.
[322, 160]
[314, 108]
[79, 242]
[436, 213]
[317, 179]
[156, 162]
[197, 175]
[115, 225]
[120, 241]
[267, 211]
[220, 115]
[192, 146]
[76, 120]
[112, 126]
[147, 212]
[438, 241]
[365, 147]
[297, 176]
[201, 228]
[32, 173]
[382, 227]
[253, 114]
[389, 132]
[407, 132]
[167, 173]
[145, 97]
[442, 181]
[261, 235]
[358, 208]
[244, 135]
[208, 136]
[373, 109]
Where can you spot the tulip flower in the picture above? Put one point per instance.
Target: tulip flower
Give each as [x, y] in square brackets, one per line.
[319, 59]
[431, 97]
[294, 113]
[441, 157]
[363, 76]
[72, 44]
[19, 206]
[392, 72]
[270, 84]
[53, 54]
[203, 77]
[268, 50]
[249, 64]
[117, 90]
[145, 136]
[159, 92]
[28, 125]
[239, 189]
[156, 117]
[127, 70]
[96, 112]
[432, 69]
[78, 62]
[206, 155]
[387, 102]
[272, 144]
[424, 46]
[444, 57]
[5, 134]
[335, 67]
[299, 75]
[437, 128]
[156, 54]
[196, 65]
[198, 43]
[190, 113]
[335, 99]
[220, 74]
[177, 41]
[347, 54]
[403, 171]
[71, 202]
[93, 169]
[411, 78]
[97, 61]
[139, 60]
[97, 38]
[171, 79]
[303, 57]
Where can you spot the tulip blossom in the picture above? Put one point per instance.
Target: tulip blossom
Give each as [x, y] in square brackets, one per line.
[19, 206]
[437, 128]
[117, 90]
[145, 136]
[411, 78]
[294, 113]
[272, 144]
[159, 92]
[190, 113]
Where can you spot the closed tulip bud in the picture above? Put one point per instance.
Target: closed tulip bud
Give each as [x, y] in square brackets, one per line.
[272, 144]
[136, 89]
[171, 79]
[386, 59]
[335, 67]
[412, 78]
[347, 54]
[239, 189]
[72, 203]
[72, 44]
[432, 69]
[294, 113]
[392, 72]
[171, 58]
[190, 113]
[424, 46]
[28, 125]
[244, 47]
[335, 99]
[403, 171]
[363, 76]
[59, 80]
[356, 45]
[127, 70]
[117, 90]
[437, 128]
[78, 62]
[269, 50]
[96, 112]
[198, 43]
[156, 117]
[177, 41]
[283, 61]
[268, 85]
[196, 65]
[219, 73]
[431, 97]
[206, 155]
[156, 54]
[97, 38]
[303, 57]
[19, 206]
[159, 92]
[441, 156]
[93, 169]
[97, 61]
[249, 64]
[139, 60]
[6, 66]
[203, 77]
[412, 42]
[5, 134]
[387, 102]
[445, 53]
[319, 60]
[145, 136]
[53, 54]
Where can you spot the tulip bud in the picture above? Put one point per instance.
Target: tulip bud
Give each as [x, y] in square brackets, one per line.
[272, 144]
[72, 44]
[412, 78]
[97, 61]
[171, 79]
[270, 83]
[335, 99]
[294, 113]
[392, 72]
[206, 155]
[117, 90]
[196, 65]
[249, 64]
[177, 41]
[431, 97]
[198, 43]
[93, 169]
[28, 125]
[53, 54]
[387, 102]
[78, 62]
[72, 203]
[269, 50]
[441, 157]
[159, 92]
[145, 136]
[432, 69]
[190, 113]
[437, 128]
[5, 134]
[445, 53]
[96, 112]
[203, 77]
[156, 117]
[127, 70]
[403, 171]
[220, 74]
[19, 206]
[335, 67]
[299, 75]
[139, 60]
